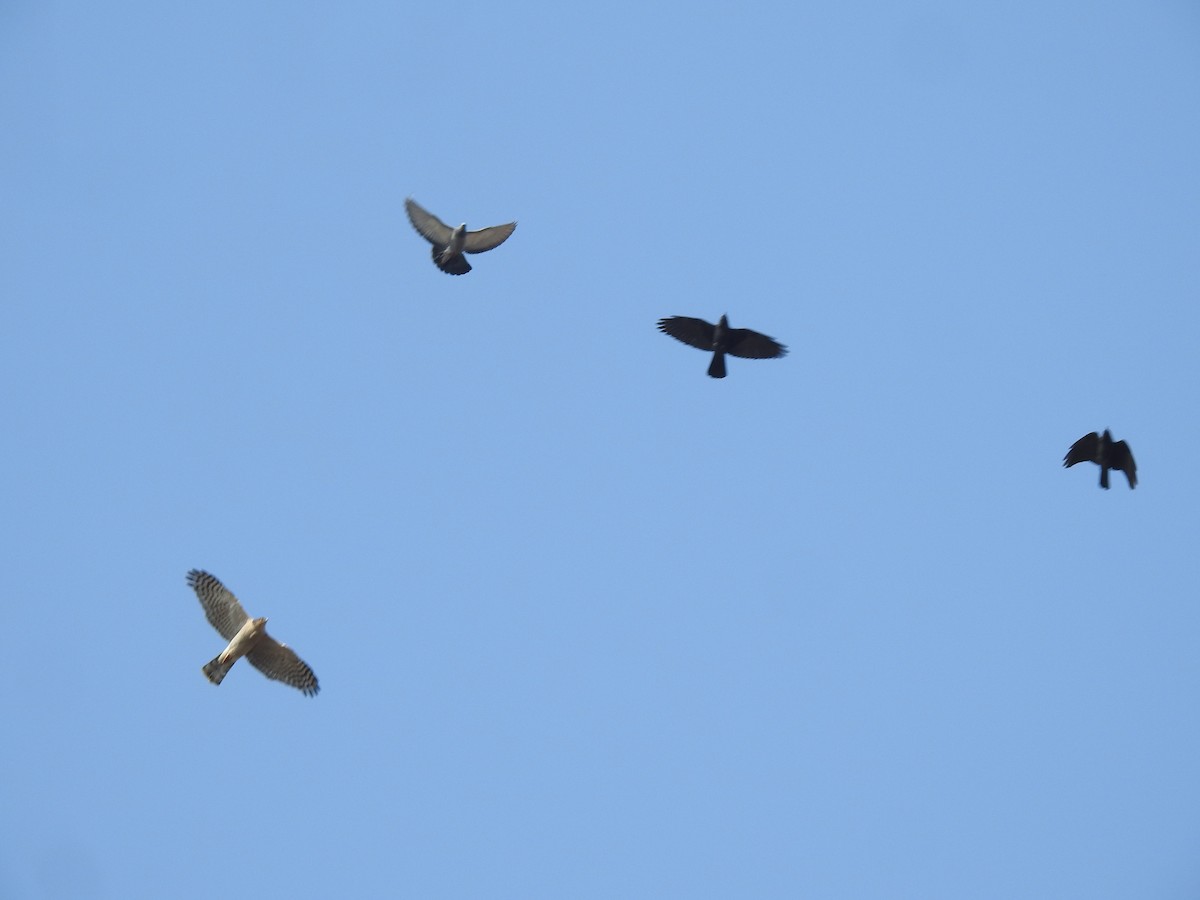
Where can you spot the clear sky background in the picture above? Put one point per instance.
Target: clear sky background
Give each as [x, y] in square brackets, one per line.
[588, 623]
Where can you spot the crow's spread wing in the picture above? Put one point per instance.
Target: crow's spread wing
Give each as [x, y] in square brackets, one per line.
[751, 345]
[1083, 450]
[693, 332]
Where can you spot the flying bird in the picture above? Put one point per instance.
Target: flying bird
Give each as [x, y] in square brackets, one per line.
[449, 244]
[721, 339]
[247, 637]
[1103, 450]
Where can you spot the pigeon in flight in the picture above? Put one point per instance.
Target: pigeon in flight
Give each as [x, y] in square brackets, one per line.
[721, 339]
[449, 244]
[1109, 454]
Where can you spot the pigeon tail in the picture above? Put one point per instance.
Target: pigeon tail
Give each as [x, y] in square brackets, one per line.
[455, 265]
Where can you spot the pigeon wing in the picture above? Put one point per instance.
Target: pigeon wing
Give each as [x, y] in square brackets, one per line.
[427, 224]
[487, 238]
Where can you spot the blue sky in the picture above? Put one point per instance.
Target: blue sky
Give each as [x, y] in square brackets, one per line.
[587, 622]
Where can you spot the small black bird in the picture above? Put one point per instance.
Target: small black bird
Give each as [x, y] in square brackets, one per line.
[1109, 454]
[449, 244]
[721, 339]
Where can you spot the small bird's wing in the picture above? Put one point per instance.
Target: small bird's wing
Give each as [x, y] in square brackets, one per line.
[221, 608]
[487, 238]
[693, 332]
[751, 345]
[427, 224]
[1121, 457]
[279, 662]
[1083, 450]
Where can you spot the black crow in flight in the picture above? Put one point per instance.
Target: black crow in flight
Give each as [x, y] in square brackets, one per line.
[721, 339]
[1109, 454]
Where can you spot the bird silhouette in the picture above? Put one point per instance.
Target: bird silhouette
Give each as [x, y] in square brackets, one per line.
[1107, 453]
[721, 339]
